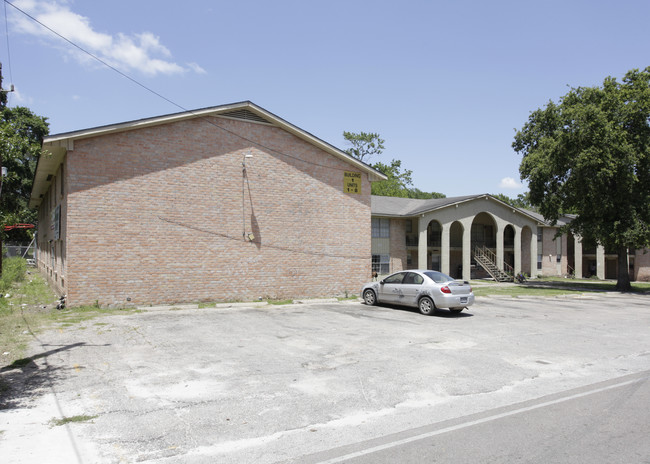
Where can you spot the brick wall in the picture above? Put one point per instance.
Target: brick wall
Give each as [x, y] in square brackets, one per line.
[156, 215]
[51, 245]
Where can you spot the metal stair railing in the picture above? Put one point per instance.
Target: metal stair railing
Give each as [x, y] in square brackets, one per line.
[487, 260]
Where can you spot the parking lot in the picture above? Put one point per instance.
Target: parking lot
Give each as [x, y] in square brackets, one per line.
[282, 383]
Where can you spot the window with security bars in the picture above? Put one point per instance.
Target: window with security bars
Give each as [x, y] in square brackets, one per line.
[381, 264]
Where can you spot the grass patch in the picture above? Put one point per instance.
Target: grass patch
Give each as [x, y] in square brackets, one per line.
[69, 420]
[591, 284]
[279, 302]
[31, 307]
[523, 290]
[554, 286]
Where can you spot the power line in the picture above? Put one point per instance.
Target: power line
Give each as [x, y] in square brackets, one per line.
[182, 108]
[11, 77]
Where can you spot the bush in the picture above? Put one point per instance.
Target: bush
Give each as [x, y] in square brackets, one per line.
[13, 270]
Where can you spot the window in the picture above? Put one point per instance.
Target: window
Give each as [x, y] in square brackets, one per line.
[438, 277]
[381, 264]
[539, 261]
[540, 233]
[380, 228]
[413, 279]
[395, 278]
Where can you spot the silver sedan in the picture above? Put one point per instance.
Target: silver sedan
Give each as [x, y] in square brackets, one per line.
[423, 289]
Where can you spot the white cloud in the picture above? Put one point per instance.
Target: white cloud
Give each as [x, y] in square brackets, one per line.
[196, 68]
[142, 52]
[16, 98]
[509, 183]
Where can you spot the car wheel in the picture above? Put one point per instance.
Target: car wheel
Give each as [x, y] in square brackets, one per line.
[426, 306]
[456, 310]
[369, 297]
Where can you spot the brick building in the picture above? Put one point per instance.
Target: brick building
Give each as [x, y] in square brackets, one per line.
[223, 203]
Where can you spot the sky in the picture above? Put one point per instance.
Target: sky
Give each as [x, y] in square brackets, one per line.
[446, 84]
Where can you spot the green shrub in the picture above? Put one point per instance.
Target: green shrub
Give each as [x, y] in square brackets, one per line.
[13, 270]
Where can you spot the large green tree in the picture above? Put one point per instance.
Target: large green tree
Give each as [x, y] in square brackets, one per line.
[363, 145]
[21, 135]
[589, 154]
[522, 201]
[399, 182]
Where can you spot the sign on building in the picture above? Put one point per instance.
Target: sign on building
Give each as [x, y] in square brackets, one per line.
[352, 182]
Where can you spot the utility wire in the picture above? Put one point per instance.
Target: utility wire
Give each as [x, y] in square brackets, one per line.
[182, 108]
[96, 57]
[211, 122]
[11, 77]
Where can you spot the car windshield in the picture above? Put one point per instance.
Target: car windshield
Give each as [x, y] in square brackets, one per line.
[438, 277]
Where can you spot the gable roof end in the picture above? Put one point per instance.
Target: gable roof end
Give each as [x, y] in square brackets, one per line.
[55, 146]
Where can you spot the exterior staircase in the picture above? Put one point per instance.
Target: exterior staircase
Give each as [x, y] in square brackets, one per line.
[487, 260]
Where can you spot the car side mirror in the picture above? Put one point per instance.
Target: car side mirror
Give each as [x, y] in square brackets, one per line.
[382, 282]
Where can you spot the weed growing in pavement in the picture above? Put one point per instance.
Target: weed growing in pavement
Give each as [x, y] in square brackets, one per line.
[68, 420]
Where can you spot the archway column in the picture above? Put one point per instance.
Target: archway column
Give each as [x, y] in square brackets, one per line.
[423, 224]
[517, 248]
[500, 247]
[577, 257]
[600, 262]
[445, 248]
[467, 247]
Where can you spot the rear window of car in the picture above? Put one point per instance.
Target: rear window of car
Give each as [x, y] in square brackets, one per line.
[438, 277]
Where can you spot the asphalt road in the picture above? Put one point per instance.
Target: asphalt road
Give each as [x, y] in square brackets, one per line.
[602, 423]
[512, 380]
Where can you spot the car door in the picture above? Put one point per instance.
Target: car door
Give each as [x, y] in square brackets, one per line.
[390, 289]
[411, 286]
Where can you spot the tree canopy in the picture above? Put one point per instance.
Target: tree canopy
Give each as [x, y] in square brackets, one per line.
[589, 154]
[21, 135]
[399, 182]
[522, 200]
[364, 145]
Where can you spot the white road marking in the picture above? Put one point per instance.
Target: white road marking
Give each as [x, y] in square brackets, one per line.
[494, 417]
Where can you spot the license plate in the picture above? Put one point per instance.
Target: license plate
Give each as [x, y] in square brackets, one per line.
[463, 299]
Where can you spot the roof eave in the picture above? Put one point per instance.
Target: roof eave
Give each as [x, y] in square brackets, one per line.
[57, 139]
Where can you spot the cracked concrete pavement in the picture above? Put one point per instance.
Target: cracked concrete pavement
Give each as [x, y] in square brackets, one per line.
[278, 383]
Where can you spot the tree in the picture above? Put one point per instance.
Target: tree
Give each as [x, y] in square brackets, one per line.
[522, 201]
[21, 135]
[399, 183]
[364, 145]
[590, 154]
[417, 193]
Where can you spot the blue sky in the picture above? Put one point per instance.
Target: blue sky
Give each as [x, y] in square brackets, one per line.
[445, 83]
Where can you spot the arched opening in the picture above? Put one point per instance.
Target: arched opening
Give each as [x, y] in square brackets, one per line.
[483, 236]
[571, 254]
[509, 246]
[456, 250]
[434, 242]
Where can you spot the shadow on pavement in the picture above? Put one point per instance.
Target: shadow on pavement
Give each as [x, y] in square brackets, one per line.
[25, 379]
